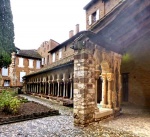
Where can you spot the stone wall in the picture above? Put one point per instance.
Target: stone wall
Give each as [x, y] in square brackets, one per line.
[66, 52]
[90, 63]
[136, 62]
[84, 88]
[44, 48]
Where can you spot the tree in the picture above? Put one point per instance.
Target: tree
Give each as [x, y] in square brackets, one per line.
[6, 33]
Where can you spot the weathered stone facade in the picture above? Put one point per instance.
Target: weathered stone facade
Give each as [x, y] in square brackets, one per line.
[90, 63]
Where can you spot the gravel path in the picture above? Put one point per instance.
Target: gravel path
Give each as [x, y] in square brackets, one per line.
[62, 126]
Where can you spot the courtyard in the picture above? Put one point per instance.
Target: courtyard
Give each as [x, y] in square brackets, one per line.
[133, 122]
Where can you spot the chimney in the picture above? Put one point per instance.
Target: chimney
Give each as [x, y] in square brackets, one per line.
[70, 33]
[77, 28]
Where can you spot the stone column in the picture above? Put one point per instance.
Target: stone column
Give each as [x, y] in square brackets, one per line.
[64, 90]
[53, 92]
[84, 88]
[104, 92]
[40, 87]
[71, 88]
[110, 78]
[45, 87]
[37, 87]
[58, 90]
[67, 82]
[48, 88]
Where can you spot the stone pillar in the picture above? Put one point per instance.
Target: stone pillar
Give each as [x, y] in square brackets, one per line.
[45, 87]
[48, 87]
[40, 87]
[58, 94]
[84, 88]
[110, 78]
[64, 90]
[53, 92]
[104, 92]
[37, 84]
[71, 88]
[66, 95]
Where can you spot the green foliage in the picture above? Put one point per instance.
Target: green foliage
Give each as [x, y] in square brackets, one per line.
[6, 33]
[8, 103]
[24, 100]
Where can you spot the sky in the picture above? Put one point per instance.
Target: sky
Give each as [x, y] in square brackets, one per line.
[36, 21]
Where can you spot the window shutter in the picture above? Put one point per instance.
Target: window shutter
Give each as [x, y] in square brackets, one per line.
[60, 53]
[38, 64]
[97, 15]
[30, 63]
[42, 61]
[21, 75]
[90, 20]
[53, 57]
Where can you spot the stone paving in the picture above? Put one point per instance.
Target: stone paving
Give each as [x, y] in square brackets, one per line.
[62, 126]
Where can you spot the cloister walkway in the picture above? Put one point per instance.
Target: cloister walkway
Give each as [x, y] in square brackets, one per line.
[134, 120]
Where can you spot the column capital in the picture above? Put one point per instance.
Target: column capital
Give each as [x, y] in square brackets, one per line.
[97, 74]
[103, 75]
[110, 76]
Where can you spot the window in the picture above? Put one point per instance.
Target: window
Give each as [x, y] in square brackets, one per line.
[60, 53]
[22, 74]
[94, 17]
[4, 71]
[42, 61]
[38, 64]
[45, 60]
[30, 63]
[6, 83]
[20, 62]
[53, 57]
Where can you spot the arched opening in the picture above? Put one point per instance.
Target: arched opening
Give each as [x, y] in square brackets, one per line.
[99, 90]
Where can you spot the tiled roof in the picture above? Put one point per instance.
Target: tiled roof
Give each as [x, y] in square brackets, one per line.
[29, 54]
[61, 63]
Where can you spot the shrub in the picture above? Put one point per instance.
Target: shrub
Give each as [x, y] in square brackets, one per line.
[8, 103]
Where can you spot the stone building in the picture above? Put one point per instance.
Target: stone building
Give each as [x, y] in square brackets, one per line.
[23, 63]
[99, 68]
[42, 50]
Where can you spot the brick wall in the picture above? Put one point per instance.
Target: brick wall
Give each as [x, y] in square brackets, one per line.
[104, 9]
[23, 69]
[44, 48]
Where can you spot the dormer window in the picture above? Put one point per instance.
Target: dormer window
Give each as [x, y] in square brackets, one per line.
[94, 17]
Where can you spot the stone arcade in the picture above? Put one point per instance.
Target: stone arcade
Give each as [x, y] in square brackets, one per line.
[89, 74]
